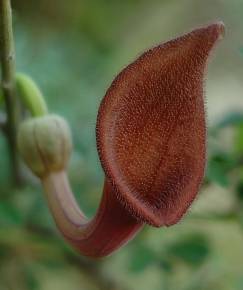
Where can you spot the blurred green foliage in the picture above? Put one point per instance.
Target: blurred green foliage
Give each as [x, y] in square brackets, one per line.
[73, 50]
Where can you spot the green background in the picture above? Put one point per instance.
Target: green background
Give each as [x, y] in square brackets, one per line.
[73, 50]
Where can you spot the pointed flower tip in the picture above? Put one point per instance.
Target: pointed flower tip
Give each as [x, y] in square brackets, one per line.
[217, 29]
[221, 28]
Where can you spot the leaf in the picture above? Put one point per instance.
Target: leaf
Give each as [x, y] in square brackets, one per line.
[239, 139]
[239, 190]
[9, 215]
[229, 120]
[219, 166]
[192, 249]
[29, 274]
[141, 257]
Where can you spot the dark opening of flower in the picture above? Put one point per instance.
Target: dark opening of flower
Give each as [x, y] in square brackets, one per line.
[151, 139]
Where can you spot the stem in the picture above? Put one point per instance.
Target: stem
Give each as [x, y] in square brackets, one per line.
[111, 227]
[3, 123]
[8, 83]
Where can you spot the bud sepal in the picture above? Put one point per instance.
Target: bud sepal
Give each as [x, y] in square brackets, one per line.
[45, 144]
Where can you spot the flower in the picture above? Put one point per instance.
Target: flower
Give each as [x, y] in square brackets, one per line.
[151, 140]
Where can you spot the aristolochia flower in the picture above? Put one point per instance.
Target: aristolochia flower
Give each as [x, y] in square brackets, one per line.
[151, 139]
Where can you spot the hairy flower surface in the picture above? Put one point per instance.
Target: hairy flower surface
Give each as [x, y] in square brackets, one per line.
[151, 130]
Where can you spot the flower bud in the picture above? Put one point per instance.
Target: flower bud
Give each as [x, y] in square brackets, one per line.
[45, 144]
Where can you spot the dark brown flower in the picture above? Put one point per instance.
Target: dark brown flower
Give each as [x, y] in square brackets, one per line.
[151, 131]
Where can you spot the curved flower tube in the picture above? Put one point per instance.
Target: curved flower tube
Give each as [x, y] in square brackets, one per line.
[111, 227]
[151, 139]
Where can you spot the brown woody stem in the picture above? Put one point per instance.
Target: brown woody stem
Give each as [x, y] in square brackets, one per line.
[111, 227]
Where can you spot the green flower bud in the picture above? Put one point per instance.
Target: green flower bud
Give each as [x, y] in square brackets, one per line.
[45, 144]
[31, 95]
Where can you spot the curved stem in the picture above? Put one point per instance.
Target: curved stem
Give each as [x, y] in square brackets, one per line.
[31, 95]
[111, 227]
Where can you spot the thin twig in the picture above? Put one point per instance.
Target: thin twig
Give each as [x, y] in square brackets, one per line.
[3, 122]
[8, 82]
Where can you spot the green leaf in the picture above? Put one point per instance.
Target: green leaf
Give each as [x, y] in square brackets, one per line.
[9, 215]
[229, 120]
[141, 257]
[239, 190]
[239, 139]
[219, 166]
[166, 265]
[192, 249]
[30, 277]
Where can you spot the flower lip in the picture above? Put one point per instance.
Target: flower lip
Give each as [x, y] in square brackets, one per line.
[151, 132]
[217, 28]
